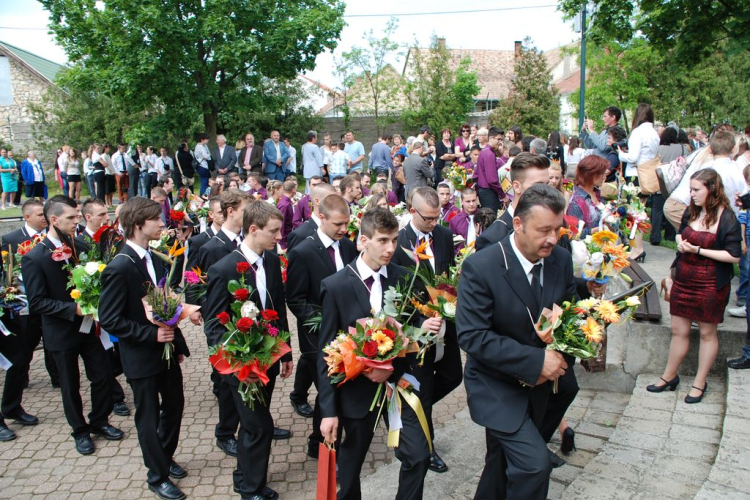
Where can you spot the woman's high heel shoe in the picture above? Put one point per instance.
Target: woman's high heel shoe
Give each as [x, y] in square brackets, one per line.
[671, 385]
[696, 399]
[641, 258]
[664, 289]
[568, 441]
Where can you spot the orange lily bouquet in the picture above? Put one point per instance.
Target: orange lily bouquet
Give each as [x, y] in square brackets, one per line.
[251, 345]
[577, 328]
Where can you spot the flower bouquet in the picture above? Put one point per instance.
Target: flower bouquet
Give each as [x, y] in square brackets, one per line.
[284, 265]
[355, 220]
[86, 283]
[579, 329]
[164, 307]
[251, 345]
[599, 257]
[12, 294]
[459, 177]
[195, 283]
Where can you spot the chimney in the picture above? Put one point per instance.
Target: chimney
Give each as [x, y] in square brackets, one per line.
[441, 43]
[517, 49]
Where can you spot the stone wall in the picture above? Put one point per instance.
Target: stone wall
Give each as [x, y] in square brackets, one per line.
[364, 130]
[16, 121]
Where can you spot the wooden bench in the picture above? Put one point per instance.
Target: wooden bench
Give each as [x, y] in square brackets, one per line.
[650, 308]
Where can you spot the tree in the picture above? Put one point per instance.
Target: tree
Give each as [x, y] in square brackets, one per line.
[691, 29]
[369, 80]
[532, 102]
[191, 57]
[437, 95]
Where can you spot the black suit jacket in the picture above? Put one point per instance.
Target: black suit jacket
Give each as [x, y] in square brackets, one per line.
[256, 158]
[442, 248]
[305, 230]
[309, 265]
[46, 285]
[125, 282]
[194, 246]
[218, 298]
[15, 238]
[345, 300]
[496, 312]
[214, 250]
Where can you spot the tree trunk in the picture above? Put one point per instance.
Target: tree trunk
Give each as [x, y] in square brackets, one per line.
[209, 121]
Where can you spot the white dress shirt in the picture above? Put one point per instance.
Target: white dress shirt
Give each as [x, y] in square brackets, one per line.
[643, 145]
[420, 236]
[526, 264]
[260, 274]
[376, 291]
[143, 252]
[328, 242]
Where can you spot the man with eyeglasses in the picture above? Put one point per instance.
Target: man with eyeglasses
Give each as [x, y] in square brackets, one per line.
[598, 143]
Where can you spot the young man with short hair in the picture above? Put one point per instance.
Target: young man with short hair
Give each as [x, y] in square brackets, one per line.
[351, 189]
[306, 229]
[286, 207]
[256, 190]
[463, 223]
[262, 228]
[304, 208]
[446, 206]
[66, 336]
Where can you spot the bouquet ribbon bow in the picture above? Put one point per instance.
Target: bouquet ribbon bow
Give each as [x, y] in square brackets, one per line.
[398, 391]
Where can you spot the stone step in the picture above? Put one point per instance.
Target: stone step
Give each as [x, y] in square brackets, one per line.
[729, 478]
[660, 448]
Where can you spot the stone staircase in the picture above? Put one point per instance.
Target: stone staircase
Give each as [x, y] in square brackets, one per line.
[661, 447]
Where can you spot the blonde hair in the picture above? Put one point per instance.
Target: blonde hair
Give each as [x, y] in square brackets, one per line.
[557, 168]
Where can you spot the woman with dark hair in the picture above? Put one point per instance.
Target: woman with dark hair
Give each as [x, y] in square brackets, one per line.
[708, 246]
[615, 134]
[586, 197]
[670, 148]
[203, 156]
[463, 144]
[443, 154]
[556, 149]
[643, 142]
[184, 174]
[515, 135]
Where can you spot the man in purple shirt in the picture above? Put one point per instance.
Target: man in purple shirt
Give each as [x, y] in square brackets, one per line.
[446, 207]
[303, 210]
[488, 183]
[253, 181]
[286, 207]
[463, 223]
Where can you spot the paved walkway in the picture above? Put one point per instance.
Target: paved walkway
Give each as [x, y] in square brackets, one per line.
[42, 463]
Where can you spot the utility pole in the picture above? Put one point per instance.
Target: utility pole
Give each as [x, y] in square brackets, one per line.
[582, 89]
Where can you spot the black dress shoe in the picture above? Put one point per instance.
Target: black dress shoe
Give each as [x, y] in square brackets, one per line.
[281, 433]
[228, 446]
[671, 385]
[265, 494]
[555, 460]
[437, 464]
[121, 409]
[84, 445]
[568, 441]
[176, 471]
[23, 418]
[739, 363]
[110, 433]
[696, 399]
[6, 434]
[167, 490]
[303, 409]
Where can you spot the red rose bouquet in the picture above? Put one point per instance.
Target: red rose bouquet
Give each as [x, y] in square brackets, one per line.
[251, 344]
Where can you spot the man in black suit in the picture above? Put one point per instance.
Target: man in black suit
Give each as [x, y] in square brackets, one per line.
[507, 366]
[526, 170]
[312, 224]
[322, 254]
[441, 371]
[250, 157]
[225, 156]
[354, 293]
[95, 216]
[195, 243]
[27, 331]
[262, 229]
[65, 334]
[125, 281]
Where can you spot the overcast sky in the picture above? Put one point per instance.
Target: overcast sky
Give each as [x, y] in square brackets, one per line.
[491, 29]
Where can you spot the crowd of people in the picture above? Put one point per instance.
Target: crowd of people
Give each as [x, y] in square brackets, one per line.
[299, 251]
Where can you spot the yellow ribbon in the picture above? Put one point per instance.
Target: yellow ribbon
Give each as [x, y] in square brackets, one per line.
[413, 401]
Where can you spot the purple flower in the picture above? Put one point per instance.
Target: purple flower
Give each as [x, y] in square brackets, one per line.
[162, 283]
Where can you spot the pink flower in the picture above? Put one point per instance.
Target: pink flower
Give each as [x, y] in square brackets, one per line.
[273, 331]
[191, 278]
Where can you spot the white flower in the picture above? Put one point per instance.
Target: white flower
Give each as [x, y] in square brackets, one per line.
[91, 268]
[587, 304]
[249, 310]
[632, 301]
[449, 309]
[194, 205]
[179, 206]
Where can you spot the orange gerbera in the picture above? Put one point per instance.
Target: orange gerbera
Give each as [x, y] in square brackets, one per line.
[608, 311]
[592, 330]
[604, 236]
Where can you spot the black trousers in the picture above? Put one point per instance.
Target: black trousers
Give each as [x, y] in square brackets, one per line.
[557, 405]
[100, 184]
[488, 199]
[413, 452]
[158, 423]
[229, 418]
[253, 443]
[18, 348]
[306, 372]
[516, 466]
[448, 371]
[99, 373]
[118, 394]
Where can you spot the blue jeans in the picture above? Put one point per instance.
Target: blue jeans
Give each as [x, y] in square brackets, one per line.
[144, 185]
[746, 349]
[744, 277]
[64, 177]
[277, 174]
[204, 175]
[90, 184]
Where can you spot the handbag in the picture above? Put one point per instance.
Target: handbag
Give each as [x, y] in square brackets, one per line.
[184, 179]
[400, 176]
[647, 179]
[670, 174]
[326, 473]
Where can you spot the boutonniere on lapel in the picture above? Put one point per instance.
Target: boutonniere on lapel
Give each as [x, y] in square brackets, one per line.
[62, 253]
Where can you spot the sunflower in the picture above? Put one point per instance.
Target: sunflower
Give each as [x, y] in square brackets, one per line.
[592, 330]
[608, 311]
[604, 236]
[385, 343]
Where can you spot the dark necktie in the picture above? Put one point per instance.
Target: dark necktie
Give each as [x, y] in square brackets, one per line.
[332, 254]
[144, 261]
[254, 266]
[536, 283]
[368, 283]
